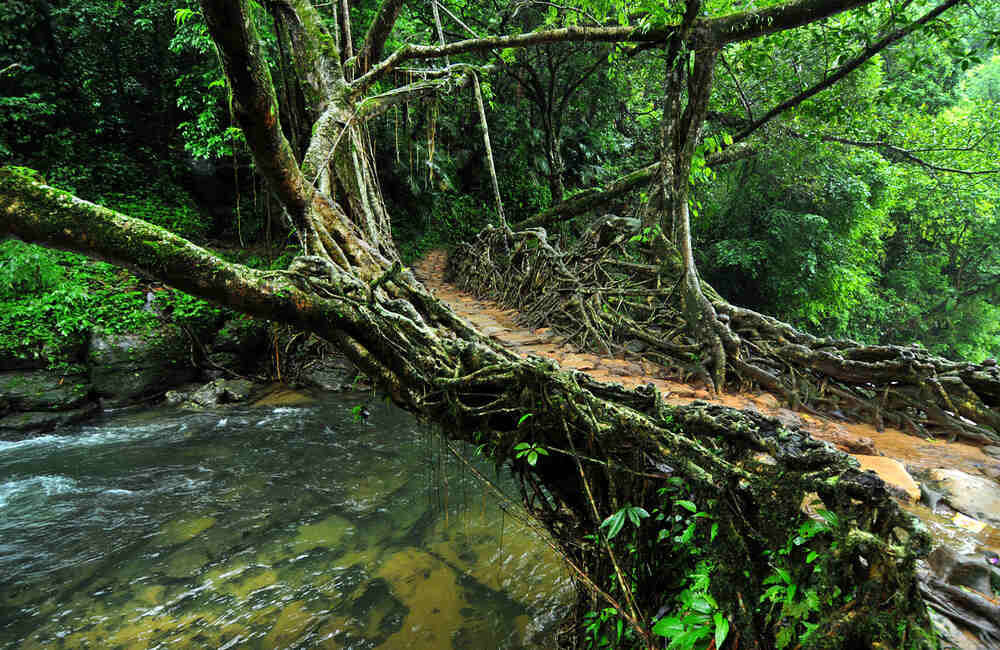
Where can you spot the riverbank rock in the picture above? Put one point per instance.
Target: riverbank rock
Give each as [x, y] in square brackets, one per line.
[20, 425]
[975, 496]
[333, 373]
[961, 569]
[890, 470]
[128, 368]
[217, 392]
[38, 401]
[42, 390]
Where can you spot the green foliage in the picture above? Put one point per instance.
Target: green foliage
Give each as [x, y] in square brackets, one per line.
[615, 522]
[801, 250]
[982, 83]
[26, 270]
[798, 589]
[680, 536]
[181, 218]
[451, 218]
[50, 302]
[530, 452]
[697, 621]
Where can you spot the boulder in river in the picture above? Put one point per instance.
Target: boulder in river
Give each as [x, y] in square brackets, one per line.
[975, 496]
[217, 392]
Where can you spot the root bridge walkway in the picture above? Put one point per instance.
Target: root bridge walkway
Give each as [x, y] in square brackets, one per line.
[886, 452]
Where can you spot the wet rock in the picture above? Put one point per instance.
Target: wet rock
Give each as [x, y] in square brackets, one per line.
[992, 472]
[843, 439]
[929, 496]
[330, 374]
[890, 470]
[217, 392]
[17, 426]
[975, 496]
[962, 570]
[789, 418]
[992, 450]
[222, 391]
[42, 390]
[949, 634]
[127, 368]
[768, 401]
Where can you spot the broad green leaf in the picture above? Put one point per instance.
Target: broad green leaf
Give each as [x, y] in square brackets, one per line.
[614, 523]
[721, 629]
[687, 505]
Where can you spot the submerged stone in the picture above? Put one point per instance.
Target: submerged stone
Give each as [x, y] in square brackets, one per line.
[975, 496]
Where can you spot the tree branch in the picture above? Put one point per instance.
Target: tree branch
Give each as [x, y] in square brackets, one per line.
[44, 215]
[845, 69]
[378, 33]
[532, 39]
[589, 199]
[744, 26]
[308, 37]
[706, 33]
[455, 76]
[894, 153]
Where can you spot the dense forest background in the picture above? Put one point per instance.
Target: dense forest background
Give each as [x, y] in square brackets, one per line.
[868, 211]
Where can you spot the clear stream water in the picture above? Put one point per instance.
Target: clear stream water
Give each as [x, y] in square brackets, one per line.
[271, 527]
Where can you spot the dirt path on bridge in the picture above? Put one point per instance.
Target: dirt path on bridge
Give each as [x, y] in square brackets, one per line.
[887, 452]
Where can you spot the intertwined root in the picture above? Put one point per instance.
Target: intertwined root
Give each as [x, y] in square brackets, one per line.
[600, 295]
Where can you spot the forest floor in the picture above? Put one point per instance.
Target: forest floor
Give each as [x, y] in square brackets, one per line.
[893, 454]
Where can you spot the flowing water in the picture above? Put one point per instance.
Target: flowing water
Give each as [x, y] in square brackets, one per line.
[274, 527]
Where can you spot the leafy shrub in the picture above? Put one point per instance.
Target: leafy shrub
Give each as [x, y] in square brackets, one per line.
[50, 301]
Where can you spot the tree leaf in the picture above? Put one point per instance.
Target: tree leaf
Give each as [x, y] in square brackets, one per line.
[687, 505]
[721, 629]
[614, 523]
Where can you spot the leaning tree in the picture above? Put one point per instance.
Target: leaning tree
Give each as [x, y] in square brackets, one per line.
[758, 534]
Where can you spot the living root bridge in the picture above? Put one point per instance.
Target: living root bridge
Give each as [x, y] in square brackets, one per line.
[607, 448]
[602, 293]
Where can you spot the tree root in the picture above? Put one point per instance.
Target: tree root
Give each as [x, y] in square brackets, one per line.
[597, 297]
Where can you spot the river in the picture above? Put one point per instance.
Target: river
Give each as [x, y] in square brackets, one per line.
[269, 527]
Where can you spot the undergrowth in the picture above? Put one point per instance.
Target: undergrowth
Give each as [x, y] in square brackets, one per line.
[50, 302]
